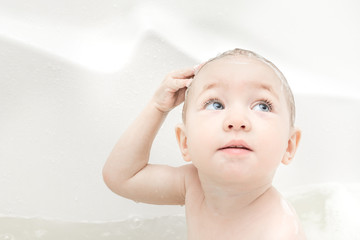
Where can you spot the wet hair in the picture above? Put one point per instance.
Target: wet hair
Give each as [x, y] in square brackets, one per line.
[242, 52]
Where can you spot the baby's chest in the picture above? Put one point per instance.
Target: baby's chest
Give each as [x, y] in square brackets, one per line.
[200, 228]
[203, 224]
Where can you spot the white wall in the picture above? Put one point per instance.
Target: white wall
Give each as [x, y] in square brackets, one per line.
[74, 74]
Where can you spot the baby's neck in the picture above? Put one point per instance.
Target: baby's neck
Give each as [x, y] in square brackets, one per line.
[232, 200]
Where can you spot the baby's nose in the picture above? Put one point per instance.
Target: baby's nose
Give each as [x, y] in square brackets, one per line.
[237, 124]
[231, 126]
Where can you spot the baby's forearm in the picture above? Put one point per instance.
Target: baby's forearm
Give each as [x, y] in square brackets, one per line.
[131, 153]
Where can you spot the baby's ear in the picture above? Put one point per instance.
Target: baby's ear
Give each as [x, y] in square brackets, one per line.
[182, 141]
[293, 144]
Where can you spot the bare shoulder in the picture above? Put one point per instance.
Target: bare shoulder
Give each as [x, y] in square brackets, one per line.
[194, 196]
[191, 175]
[190, 170]
[292, 223]
[284, 222]
[192, 183]
[291, 229]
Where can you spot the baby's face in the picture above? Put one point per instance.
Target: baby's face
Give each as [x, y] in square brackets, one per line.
[237, 120]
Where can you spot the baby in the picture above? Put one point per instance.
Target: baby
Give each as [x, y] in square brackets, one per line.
[238, 126]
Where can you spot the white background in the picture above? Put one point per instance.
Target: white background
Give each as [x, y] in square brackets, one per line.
[74, 74]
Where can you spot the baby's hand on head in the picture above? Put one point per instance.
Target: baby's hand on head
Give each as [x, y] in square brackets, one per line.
[198, 67]
[172, 90]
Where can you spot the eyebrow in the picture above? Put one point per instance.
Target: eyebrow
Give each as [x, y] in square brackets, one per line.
[211, 86]
[266, 87]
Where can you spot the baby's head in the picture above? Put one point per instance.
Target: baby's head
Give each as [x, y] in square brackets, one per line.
[248, 54]
[238, 119]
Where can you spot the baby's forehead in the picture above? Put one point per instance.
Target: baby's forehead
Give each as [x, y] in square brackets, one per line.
[240, 68]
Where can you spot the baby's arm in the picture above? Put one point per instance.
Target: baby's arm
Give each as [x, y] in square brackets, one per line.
[127, 172]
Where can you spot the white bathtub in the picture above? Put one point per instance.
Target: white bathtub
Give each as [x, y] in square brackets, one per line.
[67, 95]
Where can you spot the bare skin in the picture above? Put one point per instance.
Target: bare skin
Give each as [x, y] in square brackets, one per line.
[227, 190]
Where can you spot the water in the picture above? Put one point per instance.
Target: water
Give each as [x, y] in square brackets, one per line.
[327, 212]
[168, 227]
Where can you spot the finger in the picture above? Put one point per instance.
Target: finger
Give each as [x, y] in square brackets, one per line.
[178, 83]
[189, 82]
[198, 67]
[183, 73]
[180, 97]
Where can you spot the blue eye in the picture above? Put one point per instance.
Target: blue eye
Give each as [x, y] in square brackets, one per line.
[263, 107]
[213, 104]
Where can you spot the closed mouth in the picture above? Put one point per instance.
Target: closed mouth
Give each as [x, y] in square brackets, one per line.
[236, 144]
[236, 147]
